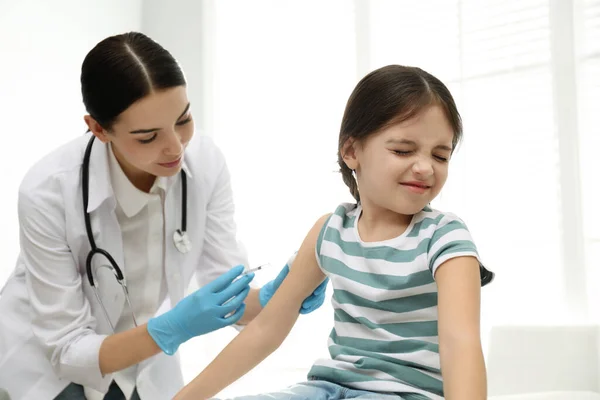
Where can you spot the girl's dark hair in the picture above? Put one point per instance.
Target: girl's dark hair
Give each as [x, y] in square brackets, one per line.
[387, 96]
[122, 69]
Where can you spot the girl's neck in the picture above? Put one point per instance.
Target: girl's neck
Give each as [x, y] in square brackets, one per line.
[377, 224]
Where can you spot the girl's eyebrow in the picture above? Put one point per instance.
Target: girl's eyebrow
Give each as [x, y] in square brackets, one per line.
[410, 142]
[443, 147]
[400, 141]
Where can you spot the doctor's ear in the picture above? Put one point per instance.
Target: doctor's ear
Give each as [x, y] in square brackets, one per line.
[96, 129]
[349, 153]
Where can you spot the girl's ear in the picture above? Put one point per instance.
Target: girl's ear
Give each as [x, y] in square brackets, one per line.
[96, 129]
[349, 154]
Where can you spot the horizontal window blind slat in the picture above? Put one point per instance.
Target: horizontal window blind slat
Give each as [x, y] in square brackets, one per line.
[502, 35]
[591, 28]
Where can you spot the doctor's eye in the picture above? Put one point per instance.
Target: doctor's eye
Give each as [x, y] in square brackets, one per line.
[185, 121]
[145, 141]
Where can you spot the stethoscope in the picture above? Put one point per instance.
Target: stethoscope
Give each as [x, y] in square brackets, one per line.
[180, 237]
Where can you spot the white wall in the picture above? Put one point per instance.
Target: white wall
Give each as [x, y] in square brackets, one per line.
[185, 35]
[42, 46]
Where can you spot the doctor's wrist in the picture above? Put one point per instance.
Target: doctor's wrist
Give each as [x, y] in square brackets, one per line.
[164, 337]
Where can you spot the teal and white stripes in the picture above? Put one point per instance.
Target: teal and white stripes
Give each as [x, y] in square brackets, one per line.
[385, 335]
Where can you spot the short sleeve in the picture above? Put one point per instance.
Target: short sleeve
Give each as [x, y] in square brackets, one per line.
[452, 239]
[340, 212]
[320, 242]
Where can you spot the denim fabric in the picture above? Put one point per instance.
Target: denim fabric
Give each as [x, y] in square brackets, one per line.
[322, 390]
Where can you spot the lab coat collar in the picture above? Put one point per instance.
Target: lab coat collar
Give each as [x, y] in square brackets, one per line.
[185, 167]
[131, 199]
[100, 186]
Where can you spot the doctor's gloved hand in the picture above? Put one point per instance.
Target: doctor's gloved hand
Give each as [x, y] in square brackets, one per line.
[310, 304]
[214, 306]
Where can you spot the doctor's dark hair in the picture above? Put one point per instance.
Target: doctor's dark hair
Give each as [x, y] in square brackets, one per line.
[123, 69]
[388, 96]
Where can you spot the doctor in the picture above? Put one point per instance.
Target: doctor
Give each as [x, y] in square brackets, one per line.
[112, 227]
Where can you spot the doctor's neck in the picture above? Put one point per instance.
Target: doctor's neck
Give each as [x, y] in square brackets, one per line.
[142, 180]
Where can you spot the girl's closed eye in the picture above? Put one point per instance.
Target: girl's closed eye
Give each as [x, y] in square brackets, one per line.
[438, 157]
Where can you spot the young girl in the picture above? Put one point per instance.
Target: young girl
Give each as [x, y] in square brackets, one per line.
[406, 277]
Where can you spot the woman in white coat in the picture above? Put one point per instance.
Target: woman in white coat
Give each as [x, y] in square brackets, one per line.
[140, 195]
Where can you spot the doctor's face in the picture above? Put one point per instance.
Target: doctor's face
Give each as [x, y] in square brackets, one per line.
[149, 137]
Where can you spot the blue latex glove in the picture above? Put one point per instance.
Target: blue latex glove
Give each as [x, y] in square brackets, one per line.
[310, 304]
[203, 311]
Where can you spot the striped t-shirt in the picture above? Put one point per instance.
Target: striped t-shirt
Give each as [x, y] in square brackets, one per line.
[385, 335]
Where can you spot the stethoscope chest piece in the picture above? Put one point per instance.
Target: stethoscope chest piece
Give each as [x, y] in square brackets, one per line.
[181, 241]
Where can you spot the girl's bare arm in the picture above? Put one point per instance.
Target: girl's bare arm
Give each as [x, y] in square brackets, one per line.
[459, 294]
[267, 331]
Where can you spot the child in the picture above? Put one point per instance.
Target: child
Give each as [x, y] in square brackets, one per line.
[406, 278]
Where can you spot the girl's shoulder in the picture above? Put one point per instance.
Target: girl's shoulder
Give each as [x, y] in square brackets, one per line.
[429, 220]
[343, 216]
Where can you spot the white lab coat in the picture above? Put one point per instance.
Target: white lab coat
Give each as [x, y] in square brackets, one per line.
[51, 325]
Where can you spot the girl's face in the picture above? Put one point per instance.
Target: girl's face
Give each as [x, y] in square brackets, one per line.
[405, 166]
[149, 138]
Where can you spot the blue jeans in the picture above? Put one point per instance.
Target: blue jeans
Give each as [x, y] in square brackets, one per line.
[322, 390]
[75, 392]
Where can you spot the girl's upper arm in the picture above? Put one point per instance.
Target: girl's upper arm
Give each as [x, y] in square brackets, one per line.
[454, 261]
[304, 276]
[268, 330]
[459, 293]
